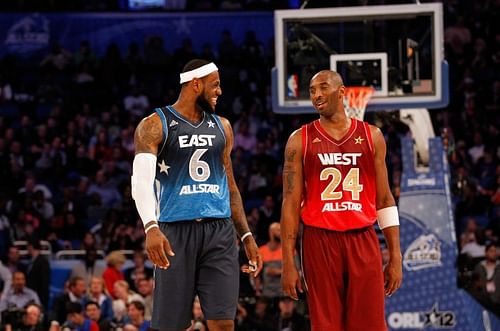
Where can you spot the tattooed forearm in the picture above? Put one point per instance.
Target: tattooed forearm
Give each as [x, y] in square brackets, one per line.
[238, 213]
[289, 171]
[290, 179]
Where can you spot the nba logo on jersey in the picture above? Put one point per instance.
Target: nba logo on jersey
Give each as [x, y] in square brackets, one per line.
[293, 86]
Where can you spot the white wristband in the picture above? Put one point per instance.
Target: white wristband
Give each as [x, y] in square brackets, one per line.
[149, 226]
[245, 235]
[387, 217]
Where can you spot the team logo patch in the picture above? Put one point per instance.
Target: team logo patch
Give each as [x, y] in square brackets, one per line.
[424, 252]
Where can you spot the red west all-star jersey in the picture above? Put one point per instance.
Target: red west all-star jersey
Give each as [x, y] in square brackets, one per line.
[340, 188]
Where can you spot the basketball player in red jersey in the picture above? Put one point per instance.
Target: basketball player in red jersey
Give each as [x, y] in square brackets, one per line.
[335, 179]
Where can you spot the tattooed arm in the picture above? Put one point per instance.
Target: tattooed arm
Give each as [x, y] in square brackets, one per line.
[237, 210]
[290, 212]
[148, 135]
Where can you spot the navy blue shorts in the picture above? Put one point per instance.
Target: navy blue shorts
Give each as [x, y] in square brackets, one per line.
[205, 264]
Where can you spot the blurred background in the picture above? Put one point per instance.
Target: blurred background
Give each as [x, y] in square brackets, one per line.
[77, 76]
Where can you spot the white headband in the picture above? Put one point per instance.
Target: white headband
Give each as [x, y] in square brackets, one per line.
[200, 72]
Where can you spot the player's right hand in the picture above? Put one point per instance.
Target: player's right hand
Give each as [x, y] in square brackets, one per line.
[291, 282]
[158, 247]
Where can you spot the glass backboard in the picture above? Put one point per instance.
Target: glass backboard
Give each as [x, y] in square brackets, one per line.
[396, 49]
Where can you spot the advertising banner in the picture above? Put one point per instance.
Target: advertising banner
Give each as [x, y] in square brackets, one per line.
[429, 298]
[29, 34]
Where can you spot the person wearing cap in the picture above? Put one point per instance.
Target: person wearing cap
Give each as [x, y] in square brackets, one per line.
[187, 198]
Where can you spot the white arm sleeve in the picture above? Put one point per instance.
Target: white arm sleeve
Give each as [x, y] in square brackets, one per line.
[143, 179]
[387, 217]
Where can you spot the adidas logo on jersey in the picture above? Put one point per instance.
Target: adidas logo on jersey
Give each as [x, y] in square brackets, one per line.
[173, 123]
[316, 140]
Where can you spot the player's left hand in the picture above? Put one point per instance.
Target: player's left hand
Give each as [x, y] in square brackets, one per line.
[254, 258]
[393, 275]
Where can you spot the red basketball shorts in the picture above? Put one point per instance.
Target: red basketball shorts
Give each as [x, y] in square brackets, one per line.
[344, 279]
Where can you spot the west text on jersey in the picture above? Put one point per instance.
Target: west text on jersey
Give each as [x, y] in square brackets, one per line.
[339, 158]
[196, 140]
[199, 188]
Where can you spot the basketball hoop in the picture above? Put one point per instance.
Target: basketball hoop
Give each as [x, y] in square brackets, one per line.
[355, 100]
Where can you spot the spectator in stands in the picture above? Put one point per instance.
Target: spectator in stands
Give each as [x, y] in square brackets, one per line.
[115, 261]
[244, 138]
[6, 234]
[469, 233]
[38, 272]
[123, 293]
[488, 271]
[13, 262]
[75, 294]
[72, 230]
[5, 90]
[271, 272]
[85, 55]
[32, 319]
[77, 320]
[198, 322]
[44, 207]
[289, 319]
[120, 317]
[5, 279]
[260, 319]
[124, 237]
[268, 213]
[89, 241]
[474, 248]
[18, 295]
[108, 193]
[136, 103]
[57, 59]
[88, 268]
[138, 271]
[145, 289]
[31, 186]
[97, 294]
[135, 312]
[94, 313]
[477, 150]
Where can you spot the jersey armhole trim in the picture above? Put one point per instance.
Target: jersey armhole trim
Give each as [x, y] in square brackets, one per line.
[220, 126]
[304, 144]
[369, 137]
[163, 119]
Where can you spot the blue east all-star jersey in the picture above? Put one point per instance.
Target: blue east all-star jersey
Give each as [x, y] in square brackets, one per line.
[191, 181]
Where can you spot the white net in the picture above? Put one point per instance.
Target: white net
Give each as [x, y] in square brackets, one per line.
[355, 100]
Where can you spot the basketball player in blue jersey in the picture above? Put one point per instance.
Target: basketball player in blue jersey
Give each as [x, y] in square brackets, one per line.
[186, 195]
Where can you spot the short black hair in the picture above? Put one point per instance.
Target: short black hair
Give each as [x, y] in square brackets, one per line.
[138, 305]
[90, 303]
[194, 64]
[35, 243]
[73, 308]
[489, 244]
[73, 280]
